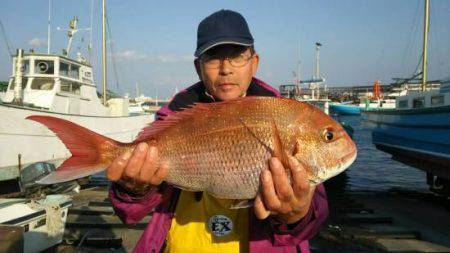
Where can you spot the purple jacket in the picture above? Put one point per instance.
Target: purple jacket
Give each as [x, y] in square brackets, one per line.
[268, 235]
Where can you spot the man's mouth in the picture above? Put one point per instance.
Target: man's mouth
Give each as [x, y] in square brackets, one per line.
[227, 86]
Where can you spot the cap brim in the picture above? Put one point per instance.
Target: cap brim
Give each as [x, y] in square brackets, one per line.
[223, 41]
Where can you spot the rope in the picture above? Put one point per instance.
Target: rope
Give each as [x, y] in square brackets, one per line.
[6, 40]
[53, 220]
[113, 55]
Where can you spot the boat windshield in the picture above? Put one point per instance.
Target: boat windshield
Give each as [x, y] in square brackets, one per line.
[43, 84]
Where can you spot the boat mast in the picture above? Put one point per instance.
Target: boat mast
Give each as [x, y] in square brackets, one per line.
[48, 28]
[104, 50]
[90, 32]
[425, 45]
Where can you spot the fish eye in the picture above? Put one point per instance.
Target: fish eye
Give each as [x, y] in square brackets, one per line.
[328, 135]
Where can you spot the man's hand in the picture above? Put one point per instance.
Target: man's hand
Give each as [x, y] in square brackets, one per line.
[290, 203]
[138, 170]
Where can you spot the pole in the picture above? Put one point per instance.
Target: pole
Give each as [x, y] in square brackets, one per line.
[18, 98]
[48, 28]
[90, 32]
[104, 50]
[318, 60]
[425, 45]
[318, 67]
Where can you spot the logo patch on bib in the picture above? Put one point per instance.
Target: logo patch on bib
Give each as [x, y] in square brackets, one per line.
[220, 225]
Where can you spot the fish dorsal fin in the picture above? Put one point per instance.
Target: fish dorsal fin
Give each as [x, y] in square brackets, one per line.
[278, 149]
[189, 113]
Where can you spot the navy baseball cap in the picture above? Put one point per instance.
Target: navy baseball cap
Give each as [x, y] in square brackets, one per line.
[222, 27]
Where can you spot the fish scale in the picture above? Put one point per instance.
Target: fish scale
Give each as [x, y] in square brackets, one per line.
[220, 148]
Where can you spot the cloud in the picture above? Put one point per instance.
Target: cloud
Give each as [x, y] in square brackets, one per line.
[132, 55]
[36, 42]
[174, 58]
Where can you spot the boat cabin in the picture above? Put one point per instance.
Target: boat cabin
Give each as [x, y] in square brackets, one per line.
[55, 83]
[430, 99]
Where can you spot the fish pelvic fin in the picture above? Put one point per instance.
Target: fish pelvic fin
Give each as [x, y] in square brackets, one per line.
[87, 147]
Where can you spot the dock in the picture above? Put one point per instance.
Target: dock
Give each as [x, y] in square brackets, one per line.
[394, 221]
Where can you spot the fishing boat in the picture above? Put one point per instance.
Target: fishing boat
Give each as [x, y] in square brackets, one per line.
[344, 109]
[380, 101]
[62, 86]
[312, 95]
[417, 130]
[33, 225]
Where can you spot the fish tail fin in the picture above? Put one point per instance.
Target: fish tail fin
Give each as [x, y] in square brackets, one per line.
[86, 146]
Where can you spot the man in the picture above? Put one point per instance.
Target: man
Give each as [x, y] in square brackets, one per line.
[283, 216]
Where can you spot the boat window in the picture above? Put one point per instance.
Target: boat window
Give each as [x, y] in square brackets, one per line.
[24, 83]
[76, 88]
[71, 87]
[419, 102]
[403, 103]
[43, 67]
[65, 86]
[63, 69]
[437, 100]
[43, 84]
[26, 67]
[74, 71]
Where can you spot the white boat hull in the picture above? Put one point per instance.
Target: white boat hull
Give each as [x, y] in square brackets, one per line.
[43, 221]
[23, 142]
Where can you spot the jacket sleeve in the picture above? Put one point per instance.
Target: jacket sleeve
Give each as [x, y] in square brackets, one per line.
[131, 209]
[307, 227]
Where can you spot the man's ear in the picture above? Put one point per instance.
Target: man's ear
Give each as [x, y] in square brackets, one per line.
[198, 68]
[255, 63]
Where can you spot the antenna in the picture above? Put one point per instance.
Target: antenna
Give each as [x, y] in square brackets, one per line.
[73, 29]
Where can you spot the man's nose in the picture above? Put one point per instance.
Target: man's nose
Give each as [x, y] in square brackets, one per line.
[225, 67]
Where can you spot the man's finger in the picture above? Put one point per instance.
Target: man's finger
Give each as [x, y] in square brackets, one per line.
[269, 195]
[260, 210]
[150, 166]
[280, 180]
[300, 182]
[160, 174]
[115, 170]
[136, 161]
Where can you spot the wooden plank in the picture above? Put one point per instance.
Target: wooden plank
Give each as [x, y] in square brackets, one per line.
[11, 238]
[410, 245]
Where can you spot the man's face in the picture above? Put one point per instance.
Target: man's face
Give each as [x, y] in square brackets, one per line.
[227, 80]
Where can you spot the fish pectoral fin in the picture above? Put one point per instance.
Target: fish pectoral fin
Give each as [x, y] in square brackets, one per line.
[239, 203]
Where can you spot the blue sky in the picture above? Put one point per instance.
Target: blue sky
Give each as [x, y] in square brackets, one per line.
[154, 41]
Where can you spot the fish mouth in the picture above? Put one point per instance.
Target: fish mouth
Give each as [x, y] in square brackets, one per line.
[344, 163]
[351, 156]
